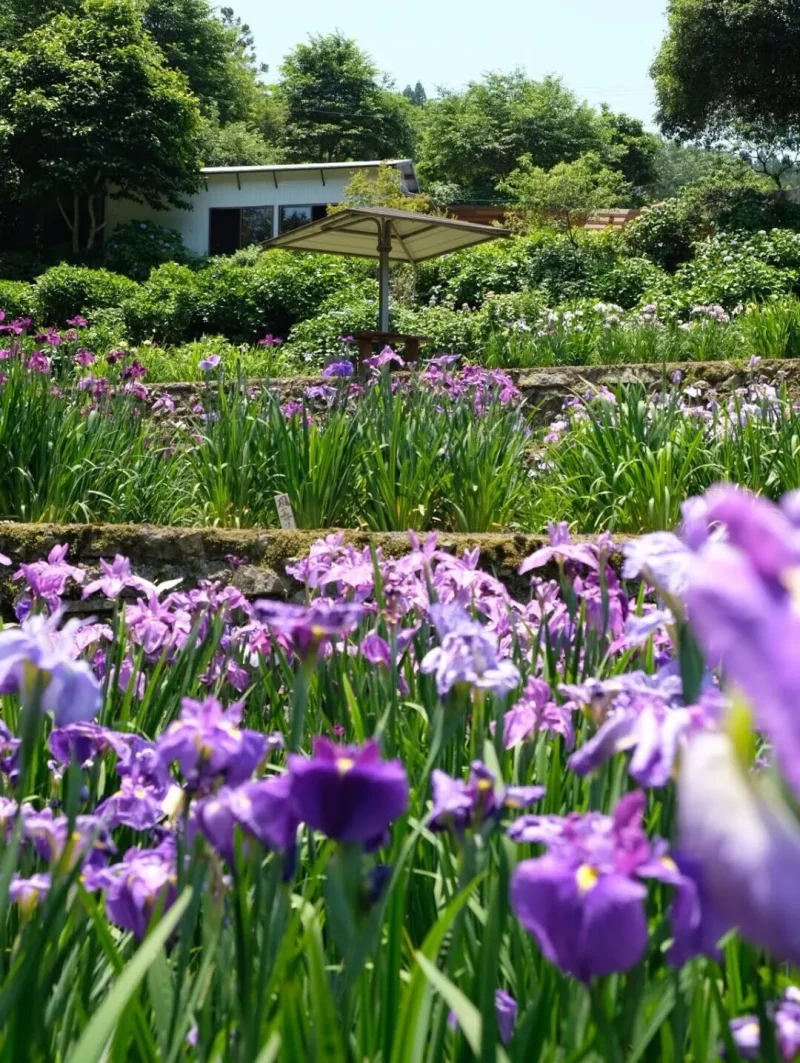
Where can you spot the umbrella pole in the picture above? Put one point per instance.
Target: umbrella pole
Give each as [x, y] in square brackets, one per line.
[384, 247]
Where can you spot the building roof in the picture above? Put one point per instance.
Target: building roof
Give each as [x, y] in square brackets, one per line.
[406, 166]
[413, 237]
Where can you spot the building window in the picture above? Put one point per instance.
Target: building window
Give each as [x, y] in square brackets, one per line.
[230, 228]
[295, 216]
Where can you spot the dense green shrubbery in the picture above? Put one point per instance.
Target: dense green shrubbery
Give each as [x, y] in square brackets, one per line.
[139, 246]
[561, 268]
[64, 290]
[240, 301]
[465, 302]
[16, 299]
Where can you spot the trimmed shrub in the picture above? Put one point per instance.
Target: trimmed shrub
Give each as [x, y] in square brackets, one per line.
[137, 247]
[16, 299]
[65, 290]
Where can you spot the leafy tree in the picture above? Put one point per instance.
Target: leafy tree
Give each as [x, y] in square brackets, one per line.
[416, 96]
[679, 165]
[87, 103]
[384, 189]
[628, 147]
[337, 107]
[729, 63]
[563, 196]
[215, 54]
[235, 144]
[475, 137]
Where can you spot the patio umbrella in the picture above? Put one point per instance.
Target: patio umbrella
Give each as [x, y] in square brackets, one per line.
[388, 235]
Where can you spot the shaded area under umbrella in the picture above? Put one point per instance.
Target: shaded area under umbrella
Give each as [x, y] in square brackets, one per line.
[388, 235]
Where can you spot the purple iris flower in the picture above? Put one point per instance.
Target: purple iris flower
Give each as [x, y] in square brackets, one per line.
[310, 627]
[458, 805]
[115, 578]
[28, 893]
[338, 369]
[140, 760]
[585, 922]
[9, 752]
[505, 1009]
[133, 805]
[205, 365]
[663, 560]
[741, 601]
[90, 840]
[47, 580]
[641, 714]
[142, 880]
[582, 900]
[84, 357]
[386, 357]
[535, 712]
[263, 810]
[745, 843]
[348, 793]
[209, 745]
[36, 657]
[77, 322]
[785, 1016]
[376, 650]
[468, 654]
[84, 742]
[5, 560]
[561, 549]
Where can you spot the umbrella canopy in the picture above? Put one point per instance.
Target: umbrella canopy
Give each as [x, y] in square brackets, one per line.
[388, 235]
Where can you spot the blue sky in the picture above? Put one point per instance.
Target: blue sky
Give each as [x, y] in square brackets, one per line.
[602, 48]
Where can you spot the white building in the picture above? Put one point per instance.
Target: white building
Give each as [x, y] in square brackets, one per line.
[241, 205]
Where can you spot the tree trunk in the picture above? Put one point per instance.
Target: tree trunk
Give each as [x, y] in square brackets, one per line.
[94, 228]
[76, 224]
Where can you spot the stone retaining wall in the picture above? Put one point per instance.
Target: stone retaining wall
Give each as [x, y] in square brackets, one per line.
[544, 390]
[194, 554]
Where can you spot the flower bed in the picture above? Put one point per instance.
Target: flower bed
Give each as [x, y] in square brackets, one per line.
[414, 809]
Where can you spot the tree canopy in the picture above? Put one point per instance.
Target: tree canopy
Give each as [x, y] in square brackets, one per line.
[86, 102]
[729, 63]
[337, 107]
[475, 138]
[563, 195]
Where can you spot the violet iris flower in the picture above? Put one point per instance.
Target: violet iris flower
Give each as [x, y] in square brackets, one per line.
[505, 1010]
[209, 745]
[205, 365]
[133, 805]
[348, 793]
[468, 654]
[742, 605]
[583, 900]
[115, 578]
[535, 712]
[644, 715]
[340, 369]
[263, 810]
[309, 627]
[36, 658]
[47, 580]
[745, 842]
[785, 1015]
[561, 549]
[28, 893]
[458, 805]
[84, 742]
[143, 879]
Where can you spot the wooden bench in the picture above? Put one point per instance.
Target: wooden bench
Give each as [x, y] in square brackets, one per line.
[371, 339]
